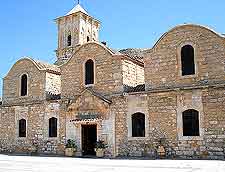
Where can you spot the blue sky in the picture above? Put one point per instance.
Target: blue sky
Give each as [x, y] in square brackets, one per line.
[27, 27]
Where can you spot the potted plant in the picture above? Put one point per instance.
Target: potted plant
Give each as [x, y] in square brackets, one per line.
[161, 149]
[71, 148]
[100, 148]
[34, 148]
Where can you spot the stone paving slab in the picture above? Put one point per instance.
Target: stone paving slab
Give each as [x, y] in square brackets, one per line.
[61, 164]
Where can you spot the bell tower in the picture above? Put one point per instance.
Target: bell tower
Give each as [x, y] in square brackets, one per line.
[76, 28]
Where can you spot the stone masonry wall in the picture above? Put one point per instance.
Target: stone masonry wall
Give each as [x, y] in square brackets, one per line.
[79, 26]
[119, 109]
[163, 62]
[88, 104]
[214, 113]
[53, 83]
[37, 116]
[168, 94]
[163, 111]
[108, 71]
[133, 74]
[11, 83]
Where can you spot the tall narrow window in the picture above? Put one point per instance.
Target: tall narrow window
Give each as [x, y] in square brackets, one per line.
[22, 128]
[190, 123]
[138, 125]
[69, 40]
[187, 60]
[23, 85]
[53, 127]
[88, 38]
[89, 72]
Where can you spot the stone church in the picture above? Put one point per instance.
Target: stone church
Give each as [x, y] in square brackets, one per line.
[135, 100]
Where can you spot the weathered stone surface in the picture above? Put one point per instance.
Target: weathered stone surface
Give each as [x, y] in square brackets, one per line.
[105, 103]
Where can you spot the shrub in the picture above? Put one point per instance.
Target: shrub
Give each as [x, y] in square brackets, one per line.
[100, 145]
[71, 144]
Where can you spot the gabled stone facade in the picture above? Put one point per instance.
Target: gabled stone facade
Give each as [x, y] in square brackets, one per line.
[125, 83]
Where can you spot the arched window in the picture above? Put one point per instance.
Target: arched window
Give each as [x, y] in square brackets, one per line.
[190, 123]
[53, 127]
[69, 40]
[138, 125]
[89, 72]
[22, 128]
[88, 38]
[23, 91]
[187, 60]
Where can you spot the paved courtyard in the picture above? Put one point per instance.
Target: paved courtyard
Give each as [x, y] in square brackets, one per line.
[58, 164]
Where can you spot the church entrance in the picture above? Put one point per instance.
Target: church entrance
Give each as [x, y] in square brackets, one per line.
[89, 138]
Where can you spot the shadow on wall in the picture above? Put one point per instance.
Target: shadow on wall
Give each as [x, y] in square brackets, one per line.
[51, 96]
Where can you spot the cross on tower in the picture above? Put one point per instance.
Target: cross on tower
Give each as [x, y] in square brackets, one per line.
[78, 1]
